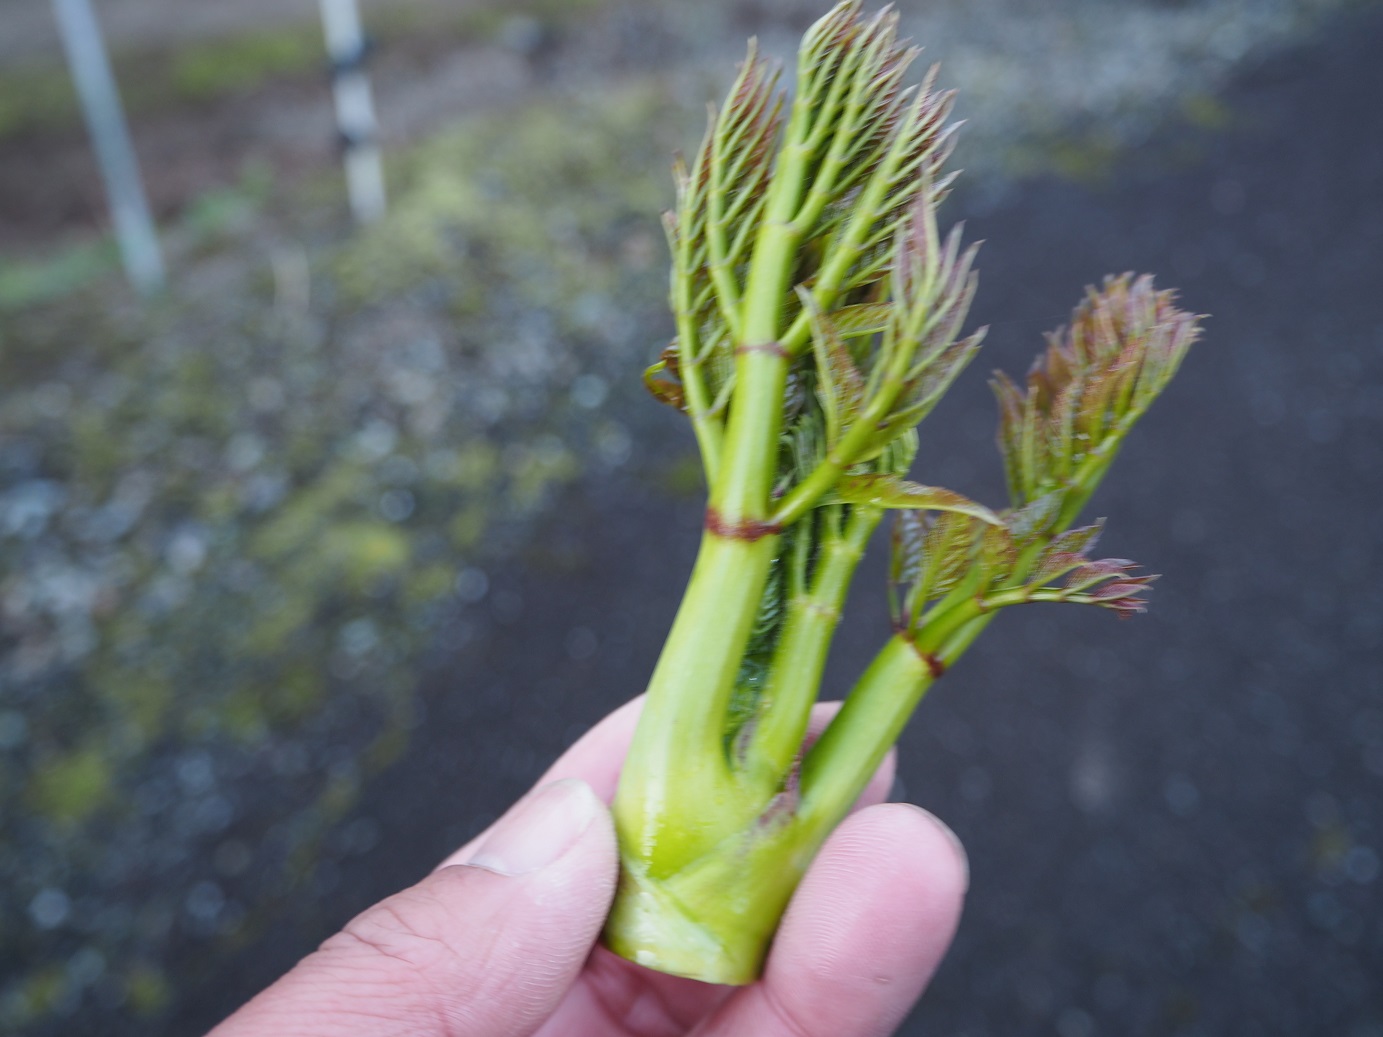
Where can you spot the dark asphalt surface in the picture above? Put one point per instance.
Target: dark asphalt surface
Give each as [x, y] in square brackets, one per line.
[1175, 824]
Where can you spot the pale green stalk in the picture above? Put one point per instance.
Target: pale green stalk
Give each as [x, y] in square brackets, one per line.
[718, 811]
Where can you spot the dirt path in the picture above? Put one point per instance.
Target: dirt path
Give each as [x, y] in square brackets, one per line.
[1059, 85]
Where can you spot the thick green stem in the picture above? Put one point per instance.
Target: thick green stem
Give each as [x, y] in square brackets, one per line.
[850, 750]
[750, 454]
[678, 796]
[713, 920]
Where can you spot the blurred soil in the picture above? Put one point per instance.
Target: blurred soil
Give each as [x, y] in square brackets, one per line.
[216, 89]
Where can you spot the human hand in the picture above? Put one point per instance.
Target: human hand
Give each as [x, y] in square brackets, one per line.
[500, 940]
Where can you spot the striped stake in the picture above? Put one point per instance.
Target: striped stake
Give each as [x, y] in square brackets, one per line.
[110, 137]
[355, 109]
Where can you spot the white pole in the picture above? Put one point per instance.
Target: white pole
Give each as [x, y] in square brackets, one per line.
[105, 121]
[355, 109]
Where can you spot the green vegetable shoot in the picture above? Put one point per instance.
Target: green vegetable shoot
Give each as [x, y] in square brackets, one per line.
[819, 318]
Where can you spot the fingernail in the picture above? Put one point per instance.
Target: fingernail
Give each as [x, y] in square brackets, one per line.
[956, 844]
[539, 830]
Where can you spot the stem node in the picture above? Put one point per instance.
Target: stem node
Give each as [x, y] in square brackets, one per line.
[745, 529]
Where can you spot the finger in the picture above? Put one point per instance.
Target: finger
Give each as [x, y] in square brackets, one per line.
[863, 935]
[615, 996]
[485, 949]
[843, 906]
[597, 757]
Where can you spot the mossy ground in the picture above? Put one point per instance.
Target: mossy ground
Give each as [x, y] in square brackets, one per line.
[234, 519]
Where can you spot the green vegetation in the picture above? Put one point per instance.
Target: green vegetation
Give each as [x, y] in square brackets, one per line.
[207, 70]
[72, 787]
[23, 283]
[35, 95]
[819, 313]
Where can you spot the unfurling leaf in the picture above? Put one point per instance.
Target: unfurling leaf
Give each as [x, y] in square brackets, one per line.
[1096, 378]
[866, 318]
[1107, 582]
[1035, 518]
[664, 379]
[738, 156]
[949, 548]
[1065, 553]
[931, 554]
[889, 491]
[905, 559]
[1088, 574]
[839, 384]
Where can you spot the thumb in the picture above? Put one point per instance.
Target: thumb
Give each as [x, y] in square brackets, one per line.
[486, 948]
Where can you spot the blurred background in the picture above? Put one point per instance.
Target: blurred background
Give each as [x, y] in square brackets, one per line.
[314, 557]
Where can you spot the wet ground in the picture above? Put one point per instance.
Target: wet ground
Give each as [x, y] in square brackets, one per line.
[214, 89]
[1175, 824]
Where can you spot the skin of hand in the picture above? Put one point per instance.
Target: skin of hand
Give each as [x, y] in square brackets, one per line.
[501, 939]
